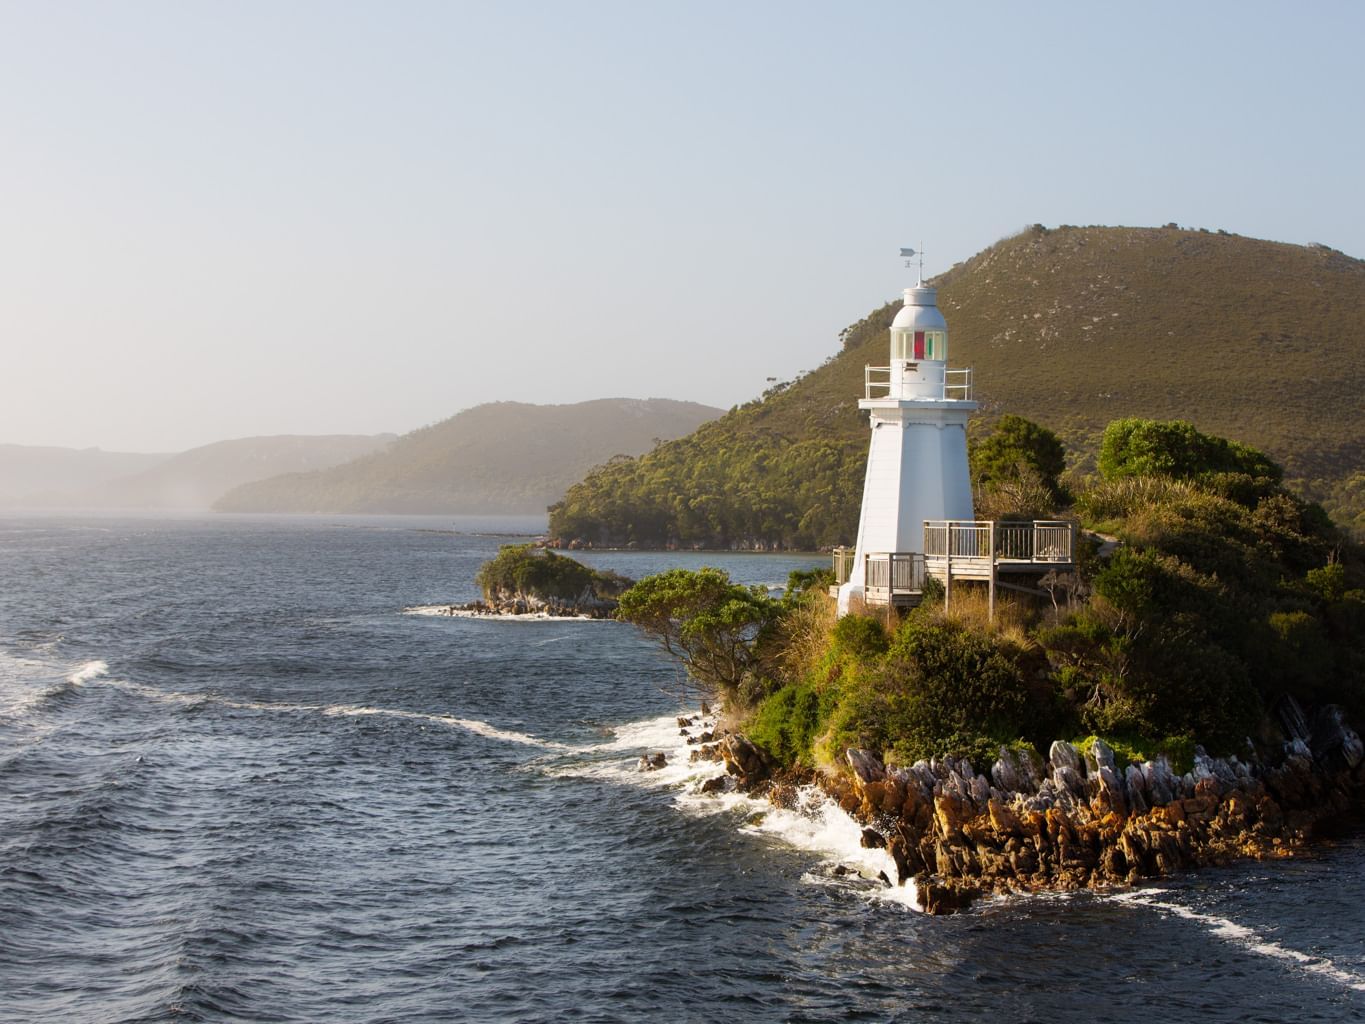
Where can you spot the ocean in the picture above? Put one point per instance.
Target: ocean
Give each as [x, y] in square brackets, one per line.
[241, 779]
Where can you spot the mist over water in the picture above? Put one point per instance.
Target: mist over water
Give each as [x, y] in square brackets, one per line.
[239, 783]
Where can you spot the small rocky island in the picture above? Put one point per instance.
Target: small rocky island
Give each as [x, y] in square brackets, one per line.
[524, 579]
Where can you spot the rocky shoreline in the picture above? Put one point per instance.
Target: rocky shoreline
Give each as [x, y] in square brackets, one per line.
[1077, 820]
[586, 606]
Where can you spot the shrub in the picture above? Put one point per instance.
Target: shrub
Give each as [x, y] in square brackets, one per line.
[1137, 447]
[1016, 446]
[941, 689]
[787, 723]
[524, 568]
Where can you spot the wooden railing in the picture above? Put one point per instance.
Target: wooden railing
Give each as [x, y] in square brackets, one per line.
[960, 549]
[843, 564]
[887, 574]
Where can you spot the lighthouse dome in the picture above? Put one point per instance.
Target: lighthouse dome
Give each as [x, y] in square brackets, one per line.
[919, 331]
[920, 312]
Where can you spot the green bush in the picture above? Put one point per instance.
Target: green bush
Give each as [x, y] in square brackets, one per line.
[861, 637]
[1014, 446]
[526, 569]
[941, 688]
[1137, 447]
[788, 721]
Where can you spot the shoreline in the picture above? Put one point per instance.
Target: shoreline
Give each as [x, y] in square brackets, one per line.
[1076, 821]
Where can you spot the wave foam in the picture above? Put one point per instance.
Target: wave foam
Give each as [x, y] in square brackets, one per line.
[90, 670]
[1247, 938]
[338, 710]
[816, 824]
[447, 611]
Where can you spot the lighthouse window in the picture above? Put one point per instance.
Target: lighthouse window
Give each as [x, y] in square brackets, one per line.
[919, 345]
[898, 340]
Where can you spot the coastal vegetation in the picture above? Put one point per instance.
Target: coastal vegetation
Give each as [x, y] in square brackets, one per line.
[527, 569]
[1223, 593]
[1069, 327]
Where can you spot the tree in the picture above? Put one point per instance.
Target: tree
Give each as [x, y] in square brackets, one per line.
[711, 624]
[1016, 443]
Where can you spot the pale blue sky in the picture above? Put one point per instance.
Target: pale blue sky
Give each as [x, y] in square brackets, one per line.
[245, 218]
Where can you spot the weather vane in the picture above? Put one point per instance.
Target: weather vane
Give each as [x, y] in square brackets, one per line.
[909, 254]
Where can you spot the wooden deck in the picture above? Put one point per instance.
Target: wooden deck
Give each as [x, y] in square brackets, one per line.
[955, 550]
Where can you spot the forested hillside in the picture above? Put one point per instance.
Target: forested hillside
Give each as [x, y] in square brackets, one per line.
[502, 457]
[1073, 327]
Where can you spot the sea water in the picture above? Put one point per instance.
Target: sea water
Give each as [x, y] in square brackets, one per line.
[242, 778]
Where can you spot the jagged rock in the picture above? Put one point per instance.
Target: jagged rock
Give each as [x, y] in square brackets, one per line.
[935, 898]
[683, 723]
[1067, 779]
[1291, 719]
[1005, 771]
[706, 752]
[980, 790]
[1100, 755]
[652, 762]
[1111, 796]
[1135, 786]
[1063, 755]
[1335, 744]
[866, 765]
[1161, 784]
[872, 839]
[716, 784]
[925, 773]
[744, 760]
[1003, 819]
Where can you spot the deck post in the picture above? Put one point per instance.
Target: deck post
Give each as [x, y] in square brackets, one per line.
[948, 567]
[990, 601]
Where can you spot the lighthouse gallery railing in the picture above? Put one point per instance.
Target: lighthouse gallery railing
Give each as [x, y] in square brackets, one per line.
[957, 383]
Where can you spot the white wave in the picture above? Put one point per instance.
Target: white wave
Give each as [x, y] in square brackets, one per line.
[90, 670]
[816, 824]
[27, 684]
[1247, 938]
[339, 710]
[453, 612]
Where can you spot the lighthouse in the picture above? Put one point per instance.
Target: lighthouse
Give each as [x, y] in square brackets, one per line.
[917, 461]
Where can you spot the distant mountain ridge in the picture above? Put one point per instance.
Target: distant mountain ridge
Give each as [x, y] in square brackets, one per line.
[189, 481]
[30, 473]
[1258, 341]
[501, 457]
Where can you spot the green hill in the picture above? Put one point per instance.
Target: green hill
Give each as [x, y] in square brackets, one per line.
[1258, 341]
[503, 457]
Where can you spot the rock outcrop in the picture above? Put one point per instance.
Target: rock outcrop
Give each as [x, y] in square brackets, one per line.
[588, 604]
[1080, 820]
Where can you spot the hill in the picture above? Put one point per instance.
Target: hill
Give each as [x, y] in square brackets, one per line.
[32, 474]
[1073, 327]
[195, 479]
[502, 457]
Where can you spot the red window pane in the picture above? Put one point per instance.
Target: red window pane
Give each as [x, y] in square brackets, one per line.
[919, 344]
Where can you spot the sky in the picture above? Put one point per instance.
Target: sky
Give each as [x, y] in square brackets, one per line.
[228, 219]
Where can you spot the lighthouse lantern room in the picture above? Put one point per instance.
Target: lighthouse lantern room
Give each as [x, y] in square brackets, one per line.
[917, 462]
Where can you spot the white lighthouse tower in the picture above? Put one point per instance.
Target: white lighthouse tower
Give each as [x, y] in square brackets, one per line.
[917, 463]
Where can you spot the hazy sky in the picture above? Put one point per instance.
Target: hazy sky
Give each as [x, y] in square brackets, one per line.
[234, 218]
